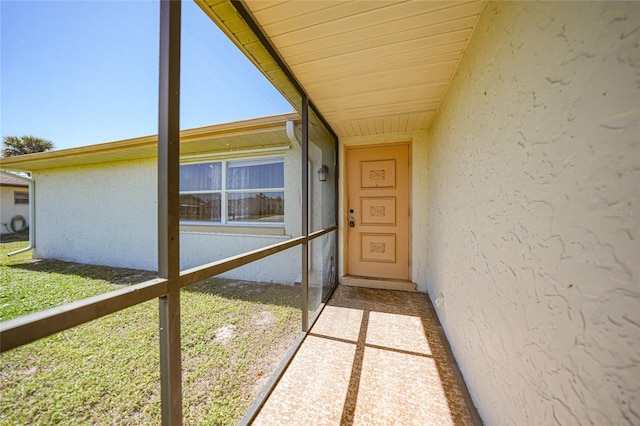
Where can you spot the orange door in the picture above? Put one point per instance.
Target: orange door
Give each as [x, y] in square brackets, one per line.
[378, 212]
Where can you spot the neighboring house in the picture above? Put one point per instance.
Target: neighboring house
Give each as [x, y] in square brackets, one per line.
[93, 202]
[14, 204]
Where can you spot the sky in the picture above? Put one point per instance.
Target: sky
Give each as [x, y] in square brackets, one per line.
[83, 72]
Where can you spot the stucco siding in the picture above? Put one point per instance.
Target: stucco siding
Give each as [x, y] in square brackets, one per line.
[102, 215]
[533, 205]
[201, 248]
[8, 209]
[107, 215]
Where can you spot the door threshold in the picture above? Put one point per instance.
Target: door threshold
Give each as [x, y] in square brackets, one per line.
[380, 283]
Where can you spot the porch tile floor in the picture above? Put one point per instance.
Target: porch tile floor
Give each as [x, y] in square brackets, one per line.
[373, 357]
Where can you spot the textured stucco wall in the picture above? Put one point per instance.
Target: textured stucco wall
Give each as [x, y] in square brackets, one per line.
[322, 194]
[8, 209]
[103, 215]
[293, 191]
[533, 227]
[201, 248]
[107, 215]
[419, 196]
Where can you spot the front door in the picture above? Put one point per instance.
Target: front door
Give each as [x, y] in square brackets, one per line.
[378, 212]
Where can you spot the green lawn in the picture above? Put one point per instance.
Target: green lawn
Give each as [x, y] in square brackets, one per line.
[107, 371]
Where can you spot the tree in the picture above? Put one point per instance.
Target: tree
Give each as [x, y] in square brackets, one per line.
[14, 145]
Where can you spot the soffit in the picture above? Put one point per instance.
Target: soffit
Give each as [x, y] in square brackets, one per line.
[266, 132]
[370, 67]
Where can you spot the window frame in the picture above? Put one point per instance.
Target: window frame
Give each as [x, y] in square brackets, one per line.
[224, 192]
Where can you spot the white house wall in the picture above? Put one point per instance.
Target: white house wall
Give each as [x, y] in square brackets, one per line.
[533, 214]
[199, 248]
[8, 210]
[102, 214]
[322, 202]
[107, 215]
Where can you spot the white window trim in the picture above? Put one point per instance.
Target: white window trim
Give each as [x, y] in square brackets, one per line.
[224, 222]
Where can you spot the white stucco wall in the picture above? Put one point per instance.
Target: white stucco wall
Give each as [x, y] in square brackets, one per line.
[101, 214]
[107, 215]
[293, 191]
[8, 209]
[201, 248]
[419, 196]
[322, 202]
[533, 227]
[322, 194]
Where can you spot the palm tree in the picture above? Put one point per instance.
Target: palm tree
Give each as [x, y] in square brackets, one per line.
[14, 145]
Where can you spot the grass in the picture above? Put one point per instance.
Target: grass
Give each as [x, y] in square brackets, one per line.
[107, 371]
[30, 286]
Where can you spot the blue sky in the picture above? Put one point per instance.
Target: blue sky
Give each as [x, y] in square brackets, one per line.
[85, 72]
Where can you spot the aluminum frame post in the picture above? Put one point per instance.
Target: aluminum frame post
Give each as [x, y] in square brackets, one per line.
[305, 213]
[169, 210]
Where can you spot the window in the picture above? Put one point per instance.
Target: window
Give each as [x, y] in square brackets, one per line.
[20, 197]
[244, 191]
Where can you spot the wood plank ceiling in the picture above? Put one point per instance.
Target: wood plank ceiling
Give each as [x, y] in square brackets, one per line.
[370, 67]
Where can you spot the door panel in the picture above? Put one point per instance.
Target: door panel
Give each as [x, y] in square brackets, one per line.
[377, 247]
[378, 174]
[378, 209]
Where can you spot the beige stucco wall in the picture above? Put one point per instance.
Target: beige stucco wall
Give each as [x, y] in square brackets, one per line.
[533, 227]
[8, 209]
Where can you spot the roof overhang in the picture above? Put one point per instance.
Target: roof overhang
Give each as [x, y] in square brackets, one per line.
[239, 136]
[11, 182]
[370, 67]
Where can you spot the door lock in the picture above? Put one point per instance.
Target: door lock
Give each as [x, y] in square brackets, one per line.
[352, 222]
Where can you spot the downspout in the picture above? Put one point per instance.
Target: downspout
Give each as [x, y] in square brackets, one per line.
[291, 133]
[32, 212]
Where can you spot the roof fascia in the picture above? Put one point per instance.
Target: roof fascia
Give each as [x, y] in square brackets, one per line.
[255, 125]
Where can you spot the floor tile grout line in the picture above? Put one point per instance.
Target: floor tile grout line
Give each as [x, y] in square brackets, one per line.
[372, 346]
[351, 397]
